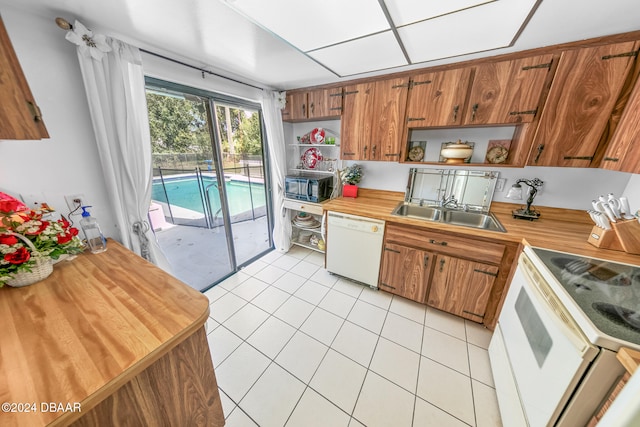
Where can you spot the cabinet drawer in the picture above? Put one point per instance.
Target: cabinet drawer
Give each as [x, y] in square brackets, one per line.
[312, 208]
[462, 247]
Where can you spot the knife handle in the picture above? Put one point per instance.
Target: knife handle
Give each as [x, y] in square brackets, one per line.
[609, 212]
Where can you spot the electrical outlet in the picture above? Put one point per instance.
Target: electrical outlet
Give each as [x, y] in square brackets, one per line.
[500, 184]
[74, 201]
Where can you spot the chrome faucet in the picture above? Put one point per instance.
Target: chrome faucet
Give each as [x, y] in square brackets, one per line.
[451, 200]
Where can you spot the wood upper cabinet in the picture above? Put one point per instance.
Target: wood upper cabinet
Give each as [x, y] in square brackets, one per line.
[585, 89]
[313, 105]
[323, 103]
[623, 151]
[438, 98]
[405, 271]
[373, 120]
[355, 128]
[461, 287]
[20, 117]
[507, 91]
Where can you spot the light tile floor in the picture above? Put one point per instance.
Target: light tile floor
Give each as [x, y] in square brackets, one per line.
[293, 345]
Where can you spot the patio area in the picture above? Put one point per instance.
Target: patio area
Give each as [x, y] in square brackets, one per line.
[199, 256]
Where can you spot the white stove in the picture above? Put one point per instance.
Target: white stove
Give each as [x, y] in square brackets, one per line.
[553, 353]
[602, 296]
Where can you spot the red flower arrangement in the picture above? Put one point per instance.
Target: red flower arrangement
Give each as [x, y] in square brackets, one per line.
[27, 238]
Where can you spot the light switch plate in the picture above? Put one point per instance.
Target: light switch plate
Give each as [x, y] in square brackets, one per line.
[500, 184]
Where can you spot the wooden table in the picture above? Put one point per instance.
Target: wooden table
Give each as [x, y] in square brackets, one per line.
[107, 339]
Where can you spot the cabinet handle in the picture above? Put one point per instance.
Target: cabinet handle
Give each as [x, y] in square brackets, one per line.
[35, 111]
[473, 112]
[415, 119]
[304, 110]
[365, 151]
[540, 148]
[455, 113]
[386, 286]
[518, 113]
[485, 272]
[348, 154]
[441, 265]
[435, 242]
[621, 55]
[373, 152]
[578, 158]
[426, 260]
[611, 159]
[311, 108]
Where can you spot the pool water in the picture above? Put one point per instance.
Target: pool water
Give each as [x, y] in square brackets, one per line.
[186, 193]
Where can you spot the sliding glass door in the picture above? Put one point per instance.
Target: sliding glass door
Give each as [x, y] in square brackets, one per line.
[210, 204]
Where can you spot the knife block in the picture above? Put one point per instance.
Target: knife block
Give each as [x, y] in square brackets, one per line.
[628, 233]
[604, 239]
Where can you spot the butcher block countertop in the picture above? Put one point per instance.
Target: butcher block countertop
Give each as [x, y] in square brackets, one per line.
[564, 230]
[76, 337]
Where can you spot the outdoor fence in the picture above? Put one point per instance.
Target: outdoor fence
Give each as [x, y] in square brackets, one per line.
[202, 194]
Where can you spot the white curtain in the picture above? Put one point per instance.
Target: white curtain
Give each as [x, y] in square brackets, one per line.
[114, 83]
[272, 103]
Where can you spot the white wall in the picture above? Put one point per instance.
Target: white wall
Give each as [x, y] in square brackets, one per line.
[571, 188]
[68, 163]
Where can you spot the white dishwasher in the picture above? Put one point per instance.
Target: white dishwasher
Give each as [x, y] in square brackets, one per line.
[354, 247]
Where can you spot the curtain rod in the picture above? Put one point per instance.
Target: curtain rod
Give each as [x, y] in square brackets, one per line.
[199, 69]
[66, 25]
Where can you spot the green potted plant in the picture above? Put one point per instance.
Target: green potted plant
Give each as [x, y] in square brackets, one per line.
[350, 176]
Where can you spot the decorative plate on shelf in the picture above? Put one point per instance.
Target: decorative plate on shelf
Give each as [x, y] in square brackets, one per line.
[416, 154]
[311, 158]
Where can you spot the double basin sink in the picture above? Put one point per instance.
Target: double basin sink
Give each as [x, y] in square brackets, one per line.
[450, 216]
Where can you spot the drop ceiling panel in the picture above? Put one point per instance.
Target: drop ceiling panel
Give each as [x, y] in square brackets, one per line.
[405, 12]
[312, 24]
[490, 26]
[377, 52]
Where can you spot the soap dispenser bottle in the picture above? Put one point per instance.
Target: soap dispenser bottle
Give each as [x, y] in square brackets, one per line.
[95, 239]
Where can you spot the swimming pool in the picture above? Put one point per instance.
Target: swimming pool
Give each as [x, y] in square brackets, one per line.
[185, 192]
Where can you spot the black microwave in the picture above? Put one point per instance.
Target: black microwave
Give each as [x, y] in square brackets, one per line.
[308, 187]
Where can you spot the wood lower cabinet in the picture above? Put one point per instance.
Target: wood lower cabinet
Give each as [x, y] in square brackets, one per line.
[584, 92]
[461, 287]
[373, 120]
[462, 274]
[20, 117]
[405, 271]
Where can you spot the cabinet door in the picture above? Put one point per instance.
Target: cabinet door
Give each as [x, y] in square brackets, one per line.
[355, 133]
[507, 91]
[461, 287]
[20, 117]
[583, 94]
[325, 103]
[296, 107]
[387, 117]
[623, 151]
[405, 271]
[438, 99]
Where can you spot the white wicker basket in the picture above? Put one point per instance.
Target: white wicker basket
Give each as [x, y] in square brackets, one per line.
[41, 270]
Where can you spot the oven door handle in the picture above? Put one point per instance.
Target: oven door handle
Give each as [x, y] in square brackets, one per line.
[553, 307]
